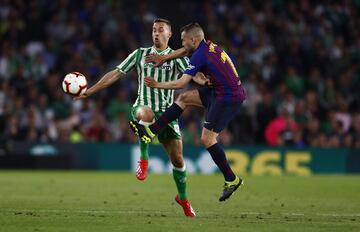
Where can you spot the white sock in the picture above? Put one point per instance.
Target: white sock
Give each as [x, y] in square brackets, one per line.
[182, 169]
[141, 122]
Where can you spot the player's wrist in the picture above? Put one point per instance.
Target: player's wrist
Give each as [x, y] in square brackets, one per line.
[89, 92]
[163, 58]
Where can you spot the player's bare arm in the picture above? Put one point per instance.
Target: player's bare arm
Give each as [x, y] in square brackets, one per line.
[198, 78]
[108, 79]
[178, 84]
[160, 59]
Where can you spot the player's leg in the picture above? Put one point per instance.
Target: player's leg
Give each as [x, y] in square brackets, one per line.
[145, 115]
[185, 99]
[171, 139]
[218, 116]
[232, 182]
[173, 148]
[188, 98]
[142, 169]
[209, 139]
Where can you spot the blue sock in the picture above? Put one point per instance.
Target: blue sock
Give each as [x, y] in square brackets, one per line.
[172, 113]
[218, 155]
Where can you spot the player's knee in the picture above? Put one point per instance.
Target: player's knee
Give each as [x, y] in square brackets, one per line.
[183, 98]
[145, 114]
[180, 102]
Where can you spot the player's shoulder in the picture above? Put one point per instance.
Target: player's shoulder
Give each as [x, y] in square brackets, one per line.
[144, 49]
[198, 54]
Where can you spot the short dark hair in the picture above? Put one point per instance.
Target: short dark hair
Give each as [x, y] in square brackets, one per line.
[161, 20]
[190, 27]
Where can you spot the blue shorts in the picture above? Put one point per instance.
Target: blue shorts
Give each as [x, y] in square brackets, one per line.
[218, 113]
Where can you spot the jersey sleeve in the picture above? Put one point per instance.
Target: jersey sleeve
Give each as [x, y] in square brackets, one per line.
[197, 61]
[129, 63]
[182, 64]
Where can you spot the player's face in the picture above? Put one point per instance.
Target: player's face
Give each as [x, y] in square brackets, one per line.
[161, 34]
[187, 42]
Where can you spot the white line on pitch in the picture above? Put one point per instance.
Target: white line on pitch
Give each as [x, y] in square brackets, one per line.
[338, 215]
[159, 212]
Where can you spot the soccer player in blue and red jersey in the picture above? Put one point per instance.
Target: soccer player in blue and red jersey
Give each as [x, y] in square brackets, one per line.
[222, 98]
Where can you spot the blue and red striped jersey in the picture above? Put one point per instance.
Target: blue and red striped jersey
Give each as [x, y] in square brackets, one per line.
[215, 63]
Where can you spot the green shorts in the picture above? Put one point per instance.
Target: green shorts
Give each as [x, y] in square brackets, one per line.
[171, 131]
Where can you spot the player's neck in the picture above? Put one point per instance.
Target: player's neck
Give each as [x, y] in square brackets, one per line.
[160, 48]
[198, 43]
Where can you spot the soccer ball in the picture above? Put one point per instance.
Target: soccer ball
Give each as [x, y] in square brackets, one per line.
[74, 84]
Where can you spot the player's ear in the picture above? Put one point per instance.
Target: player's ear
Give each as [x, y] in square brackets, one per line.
[170, 34]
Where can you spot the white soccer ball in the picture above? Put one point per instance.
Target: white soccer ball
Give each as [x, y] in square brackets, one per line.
[74, 84]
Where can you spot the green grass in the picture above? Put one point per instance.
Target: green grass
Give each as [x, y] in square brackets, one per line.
[106, 201]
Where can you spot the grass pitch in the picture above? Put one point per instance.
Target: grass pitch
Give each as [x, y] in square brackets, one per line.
[104, 201]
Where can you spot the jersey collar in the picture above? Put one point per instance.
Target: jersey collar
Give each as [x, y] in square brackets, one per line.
[202, 44]
[153, 50]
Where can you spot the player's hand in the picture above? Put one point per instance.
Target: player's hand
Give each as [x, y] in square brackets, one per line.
[83, 96]
[150, 82]
[208, 83]
[154, 58]
[201, 79]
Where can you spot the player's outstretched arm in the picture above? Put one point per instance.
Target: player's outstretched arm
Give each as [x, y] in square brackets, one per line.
[105, 81]
[158, 59]
[178, 84]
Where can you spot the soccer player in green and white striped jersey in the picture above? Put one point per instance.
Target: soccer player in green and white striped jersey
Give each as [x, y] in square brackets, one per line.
[156, 99]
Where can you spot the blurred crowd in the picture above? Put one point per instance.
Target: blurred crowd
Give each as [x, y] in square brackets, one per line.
[298, 60]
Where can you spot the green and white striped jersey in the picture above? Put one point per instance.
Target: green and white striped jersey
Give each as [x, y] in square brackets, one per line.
[156, 99]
